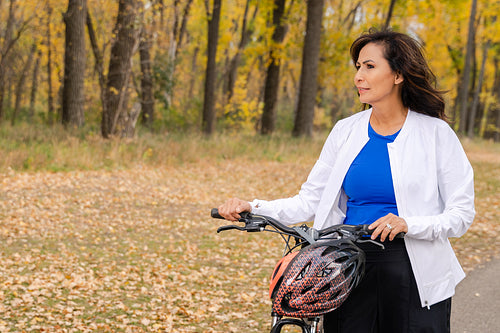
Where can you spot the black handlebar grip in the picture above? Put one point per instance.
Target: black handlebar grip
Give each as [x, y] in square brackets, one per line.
[370, 231]
[215, 214]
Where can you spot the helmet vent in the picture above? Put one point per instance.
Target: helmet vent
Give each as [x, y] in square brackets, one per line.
[323, 289]
[303, 273]
[334, 296]
[349, 270]
[328, 269]
[306, 289]
[342, 258]
[329, 249]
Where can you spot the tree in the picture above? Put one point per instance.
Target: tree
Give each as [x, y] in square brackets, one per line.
[147, 95]
[268, 122]
[208, 121]
[165, 61]
[73, 99]
[309, 75]
[246, 33]
[20, 84]
[50, 100]
[116, 119]
[34, 86]
[99, 62]
[464, 92]
[479, 86]
[496, 93]
[260, 59]
[389, 15]
[11, 34]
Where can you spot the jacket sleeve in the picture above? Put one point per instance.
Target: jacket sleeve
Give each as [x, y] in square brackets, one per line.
[302, 207]
[455, 179]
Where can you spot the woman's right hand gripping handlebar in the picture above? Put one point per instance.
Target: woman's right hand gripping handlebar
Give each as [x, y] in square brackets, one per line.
[232, 208]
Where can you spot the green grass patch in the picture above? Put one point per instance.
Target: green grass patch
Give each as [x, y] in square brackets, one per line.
[41, 148]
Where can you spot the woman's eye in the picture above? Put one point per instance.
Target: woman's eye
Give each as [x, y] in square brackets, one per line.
[370, 66]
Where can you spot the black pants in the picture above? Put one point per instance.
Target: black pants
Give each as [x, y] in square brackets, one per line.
[387, 300]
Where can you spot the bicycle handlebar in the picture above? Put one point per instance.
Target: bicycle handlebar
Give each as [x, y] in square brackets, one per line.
[257, 223]
[253, 223]
[215, 214]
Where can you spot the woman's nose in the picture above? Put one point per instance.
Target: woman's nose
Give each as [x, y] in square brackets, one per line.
[358, 77]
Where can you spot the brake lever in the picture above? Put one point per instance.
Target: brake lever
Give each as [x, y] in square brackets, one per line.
[230, 227]
[249, 227]
[369, 240]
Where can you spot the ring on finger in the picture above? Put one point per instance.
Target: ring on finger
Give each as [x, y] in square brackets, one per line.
[388, 226]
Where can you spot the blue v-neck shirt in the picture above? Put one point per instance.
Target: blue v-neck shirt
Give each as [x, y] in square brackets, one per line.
[368, 182]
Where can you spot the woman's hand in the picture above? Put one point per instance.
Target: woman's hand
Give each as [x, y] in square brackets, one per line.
[389, 225]
[232, 208]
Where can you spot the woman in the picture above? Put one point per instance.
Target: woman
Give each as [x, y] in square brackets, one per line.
[400, 168]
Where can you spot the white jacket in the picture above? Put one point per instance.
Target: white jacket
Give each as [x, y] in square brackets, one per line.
[433, 186]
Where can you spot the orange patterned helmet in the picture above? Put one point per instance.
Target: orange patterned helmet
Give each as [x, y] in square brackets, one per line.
[318, 279]
[278, 271]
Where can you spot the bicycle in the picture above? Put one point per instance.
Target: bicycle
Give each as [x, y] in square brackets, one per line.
[299, 238]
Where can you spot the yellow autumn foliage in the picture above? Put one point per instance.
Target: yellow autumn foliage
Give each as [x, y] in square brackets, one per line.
[441, 26]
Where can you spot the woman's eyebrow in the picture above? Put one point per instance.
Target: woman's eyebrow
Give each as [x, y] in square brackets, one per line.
[365, 62]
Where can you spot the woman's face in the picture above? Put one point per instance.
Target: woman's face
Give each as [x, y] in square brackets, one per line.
[376, 82]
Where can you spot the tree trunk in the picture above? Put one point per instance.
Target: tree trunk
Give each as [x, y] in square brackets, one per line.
[99, 63]
[73, 97]
[115, 115]
[129, 130]
[456, 62]
[271, 86]
[208, 121]
[161, 10]
[477, 92]
[8, 41]
[389, 15]
[2, 92]
[147, 96]
[50, 114]
[464, 92]
[496, 137]
[194, 69]
[180, 30]
[20, 85]
[176, 33]
[309, 76]
[232, 71]
[496, 94]
[34, 86]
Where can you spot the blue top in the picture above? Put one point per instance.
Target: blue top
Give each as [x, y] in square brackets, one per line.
[368, 182]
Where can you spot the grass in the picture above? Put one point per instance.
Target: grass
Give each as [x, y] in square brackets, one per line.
[42, 148]
[114, 235]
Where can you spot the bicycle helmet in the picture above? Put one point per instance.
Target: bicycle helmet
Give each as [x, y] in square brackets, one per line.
[319, 279]
[277, 276]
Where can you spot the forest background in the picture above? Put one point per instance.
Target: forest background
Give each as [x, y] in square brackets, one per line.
[124, 122]
[208, 66]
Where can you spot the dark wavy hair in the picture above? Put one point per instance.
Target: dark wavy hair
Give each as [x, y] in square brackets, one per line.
[405, 57]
